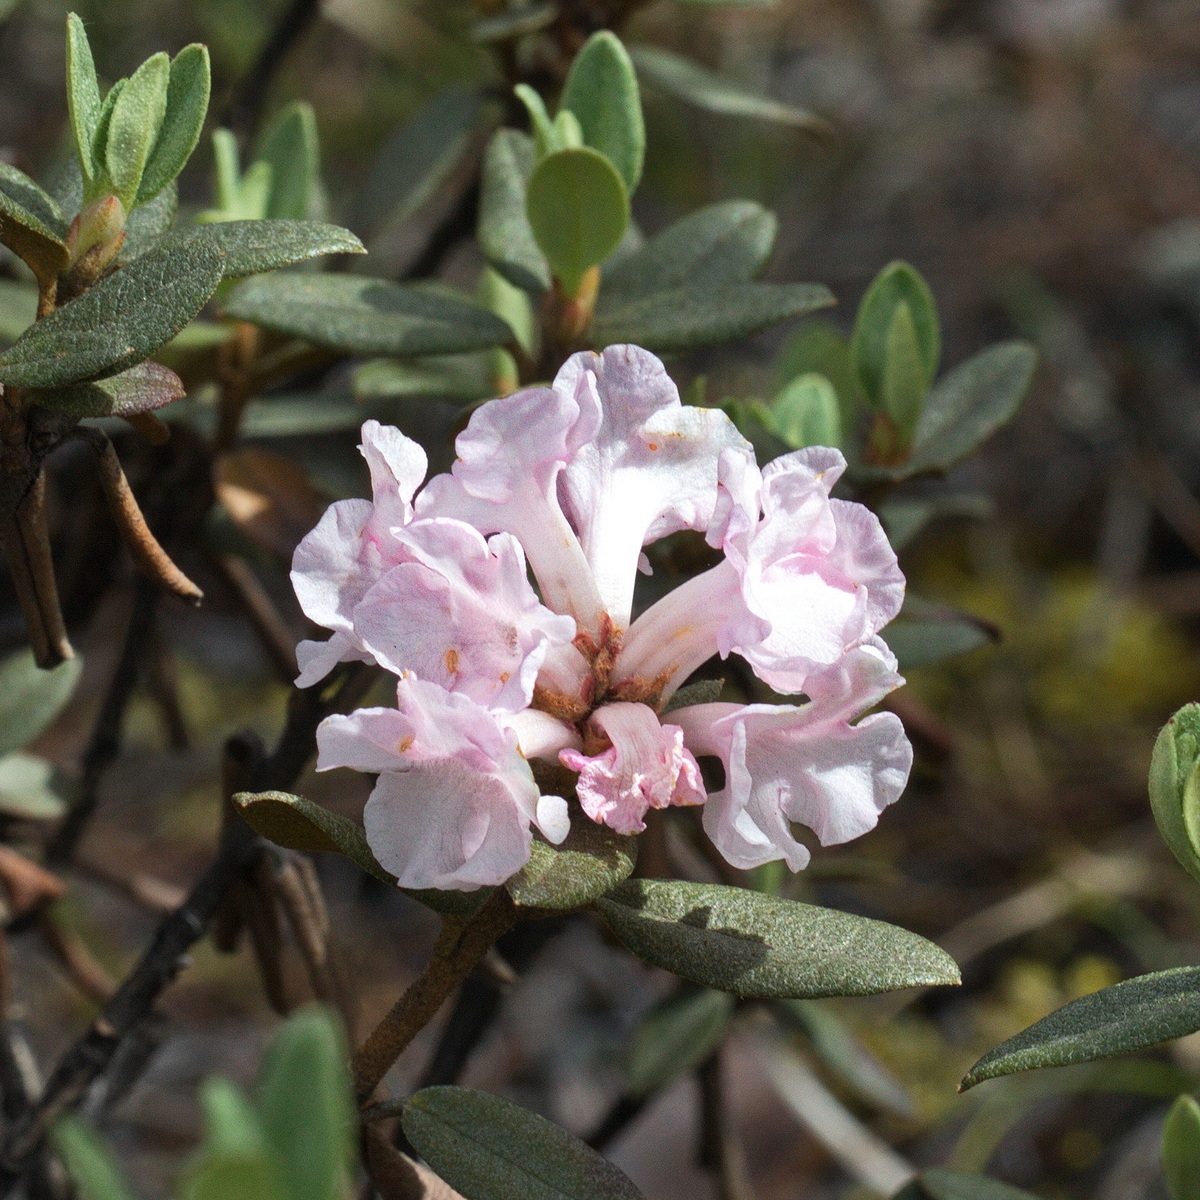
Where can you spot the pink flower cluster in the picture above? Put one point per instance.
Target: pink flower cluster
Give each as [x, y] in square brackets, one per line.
[502, 688]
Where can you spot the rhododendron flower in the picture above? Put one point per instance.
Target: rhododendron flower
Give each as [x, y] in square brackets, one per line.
[494, 677]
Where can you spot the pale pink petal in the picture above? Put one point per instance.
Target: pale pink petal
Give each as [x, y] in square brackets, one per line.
[316, 659]
[505, 479]
[786, 764]
[327, 568]
[455, 798]
[648, 471]
[397, 465]
[461, 614]
[645, 767]
[539, 735]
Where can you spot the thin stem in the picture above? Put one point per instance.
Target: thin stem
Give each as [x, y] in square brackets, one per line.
[27, 548]
[720, 1149]
[458, 950]
[150, 557]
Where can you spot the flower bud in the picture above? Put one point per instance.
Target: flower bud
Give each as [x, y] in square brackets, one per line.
[1175, 786]
[98, 232]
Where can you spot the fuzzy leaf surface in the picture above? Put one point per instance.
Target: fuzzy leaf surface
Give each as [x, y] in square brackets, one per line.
[359, 315]
[504, 232]
[721, 244]
[252, 247]
[602, 91]
[688, 318]
[591, 861]
[32, 225]
[758, 946]
[143, 388]
[489, 1149]
[188, 85]
[1128, 1016]
[119, 322]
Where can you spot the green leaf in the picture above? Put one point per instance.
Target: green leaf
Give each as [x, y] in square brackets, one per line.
[101, 185]
[488, 1149]
[545, 137]
[578, 210]
[31, 698]
[504, 233]
[119, 322]
[939, 1184]
[188, 85]
[133, 127]
[905, 381]
[90, 1165]
[32, 788]
[588, 864]
[359, 315]
[687, 318]
[143, 388]
[602, 91]
[1175, 786]
[514, 23]
[83, 95]
[818, 348]
[806, 413]
[677, 1034]
[236, 1159]
[415, 161]
[147, 223]
[18, 308]
[253, 247]
[925, 633]
[306, 1105]
[511, 305]
[289, 145]
[683, 79]
[1181, 1149]
[1133, 1015]
[721, 244]
[32, 225]
[969, 404]
[897, 284]
[762, 947]
[461, 377]
[299, 824]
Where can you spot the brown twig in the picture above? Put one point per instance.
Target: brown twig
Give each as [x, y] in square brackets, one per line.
[90, 1056]
[76, 959]
[150, 557]
[27, 548]
[156, 895]
[459, 948]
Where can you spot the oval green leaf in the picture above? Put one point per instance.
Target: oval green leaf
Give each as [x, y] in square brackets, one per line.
[578, 210]
[299, 824]
[253, 247]
[969, 404]
[688, 318]
[602, 91]
[133, 126]
[32, 225]
[488, 1149]
[289, 146]
[898, 283]
[143, 388]
[1128, 1016]
[940, 1184]
[1181, 1149]
[504, 233]
[89, 1163]
[589, 863]
[188, 84]
[723, 243]
[359, 315]
[31, 698]
[762, 947]
[307, 1107]
[32, 788]
[119, 322]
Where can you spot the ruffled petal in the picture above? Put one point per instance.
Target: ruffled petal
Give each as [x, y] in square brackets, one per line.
[455, 798]
[649, 470]
[645, 767]
[461, 614]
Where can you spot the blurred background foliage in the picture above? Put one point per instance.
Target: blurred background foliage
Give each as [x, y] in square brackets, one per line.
[1039, 162]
